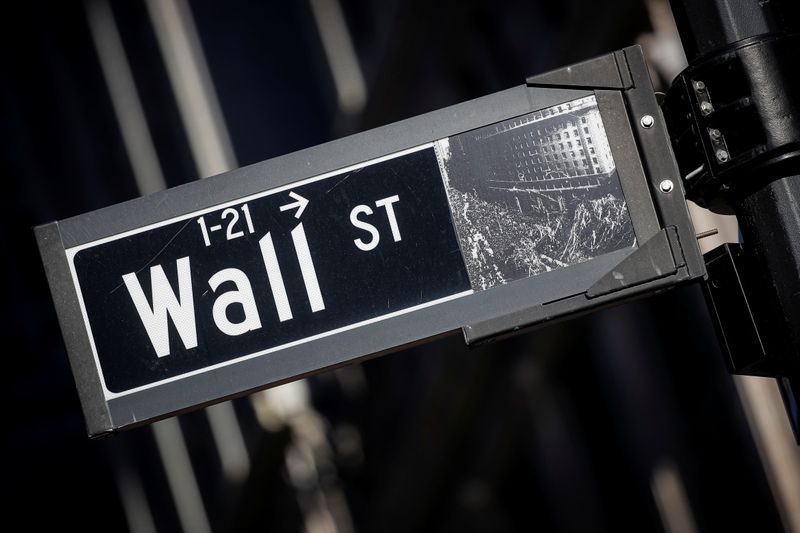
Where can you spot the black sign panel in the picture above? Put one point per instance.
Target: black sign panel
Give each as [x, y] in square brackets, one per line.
[270, 270]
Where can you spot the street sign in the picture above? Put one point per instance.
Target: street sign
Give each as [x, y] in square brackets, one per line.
[246, 278]
[490, 216]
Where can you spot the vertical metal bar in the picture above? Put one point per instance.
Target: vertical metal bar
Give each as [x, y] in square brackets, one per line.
[780, 455]
[134, 500]
[124, 97]
[671, 499]
[180, 476]
[194, 90]
[769, 219]
[348, 79]
[229, 441]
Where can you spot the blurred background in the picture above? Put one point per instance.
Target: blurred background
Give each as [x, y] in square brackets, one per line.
[625, 419]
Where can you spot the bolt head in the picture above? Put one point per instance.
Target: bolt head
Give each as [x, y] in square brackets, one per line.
[666, 186]
[715, 134]
[699, 86]
[647, 121]
[723, 156]
[706, 108]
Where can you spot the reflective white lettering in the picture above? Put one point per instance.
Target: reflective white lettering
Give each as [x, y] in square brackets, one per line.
[360, 224]
[386, 203]
[242, 295]
[165, 305]
[275, 278]
[307, 268]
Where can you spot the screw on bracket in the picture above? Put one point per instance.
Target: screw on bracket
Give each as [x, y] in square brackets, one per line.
[723, 156]
[647, 121]
[706, 108]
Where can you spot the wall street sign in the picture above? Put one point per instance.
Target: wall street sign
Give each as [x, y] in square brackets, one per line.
[489, 216]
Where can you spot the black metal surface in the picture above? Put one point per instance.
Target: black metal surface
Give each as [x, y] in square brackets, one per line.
[735, 308]
[670, 204]
[769, 220]
[790, 393]
[604, 72]
[734, 118]
[707, 25]
[90, 389]
[653, 259]
[752, 294]
[737, 107]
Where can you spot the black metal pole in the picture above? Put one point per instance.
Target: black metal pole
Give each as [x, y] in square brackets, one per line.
[763, 185]
[706, 26]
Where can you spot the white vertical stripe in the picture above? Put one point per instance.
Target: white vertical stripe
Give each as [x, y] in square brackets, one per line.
[275, 278]
[779, 453]
[134, 501]
[180, 476]
[232, 451]
[307, 268]
[124, 98]
[188, 73]
[671, 500]
[351, 90]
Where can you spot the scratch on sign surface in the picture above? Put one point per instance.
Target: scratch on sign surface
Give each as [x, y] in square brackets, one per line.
[157, 253]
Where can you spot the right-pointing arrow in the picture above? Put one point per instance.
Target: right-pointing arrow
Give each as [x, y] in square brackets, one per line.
[300, 204]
